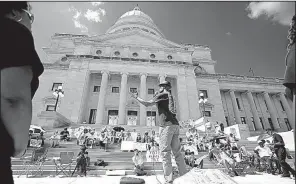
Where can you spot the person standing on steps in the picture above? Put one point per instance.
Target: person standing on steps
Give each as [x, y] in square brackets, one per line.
[168, 130]
[280, 151]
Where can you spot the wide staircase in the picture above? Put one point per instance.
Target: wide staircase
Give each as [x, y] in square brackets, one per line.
[114, 157]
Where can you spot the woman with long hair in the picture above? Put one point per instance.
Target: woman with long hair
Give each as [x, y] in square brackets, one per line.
[20, 69]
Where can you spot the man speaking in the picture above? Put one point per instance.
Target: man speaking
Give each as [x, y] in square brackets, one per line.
[168, 130]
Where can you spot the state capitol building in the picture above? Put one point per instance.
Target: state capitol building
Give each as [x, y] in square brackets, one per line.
[97, 74]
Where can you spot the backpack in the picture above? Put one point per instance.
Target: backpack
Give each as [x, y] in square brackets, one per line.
[100, 162]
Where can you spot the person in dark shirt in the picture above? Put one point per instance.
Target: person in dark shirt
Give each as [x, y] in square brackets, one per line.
[168, 130]
[20, 68]
[280, 151]
[65, 135]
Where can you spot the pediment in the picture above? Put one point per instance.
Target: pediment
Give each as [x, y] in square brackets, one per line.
[138, 38]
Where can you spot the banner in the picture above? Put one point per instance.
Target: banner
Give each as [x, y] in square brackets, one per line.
[153, 155]
[131, 145]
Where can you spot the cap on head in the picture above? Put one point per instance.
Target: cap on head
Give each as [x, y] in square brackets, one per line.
[165, 84]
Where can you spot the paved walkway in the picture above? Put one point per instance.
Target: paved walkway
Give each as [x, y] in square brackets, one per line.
[254, 179]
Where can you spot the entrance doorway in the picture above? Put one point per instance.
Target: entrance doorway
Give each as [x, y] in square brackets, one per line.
[132, 117]
[92, 116]
[151, 118]
[113, 117]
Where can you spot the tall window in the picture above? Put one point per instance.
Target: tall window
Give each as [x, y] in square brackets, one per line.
[253, 123]
[243, 120]
[207, 113]
[238, 105]
[265, 104]
[55, 86]
[205, 93]
[226, 119]
[270, 124]
[133, 90]
[96, 89]
[282, 105]
[50, 108]
[287, 124]
[115, 89]
[151, 92]
[262, 124]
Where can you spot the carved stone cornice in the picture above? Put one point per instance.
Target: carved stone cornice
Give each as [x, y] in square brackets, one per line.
[56, 66]
[242, 78]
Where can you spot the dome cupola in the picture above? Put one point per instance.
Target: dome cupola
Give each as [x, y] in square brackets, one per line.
[135, 19]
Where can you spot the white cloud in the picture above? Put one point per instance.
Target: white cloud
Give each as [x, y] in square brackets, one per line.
[82, 27]
[228, 33]
[95, 15]
[97, 3]
[83, 12]
[281, 12]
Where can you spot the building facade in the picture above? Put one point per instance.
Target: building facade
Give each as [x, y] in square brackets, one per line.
[98, 73]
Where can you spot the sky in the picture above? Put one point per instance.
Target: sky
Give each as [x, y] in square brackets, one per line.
[240, 34]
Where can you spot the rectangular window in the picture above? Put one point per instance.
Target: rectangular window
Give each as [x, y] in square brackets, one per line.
[243, 120]
[226, 119]
[282, 105]
[205, 93]
[55, 86]
[112, 112]
[132, 113]
[238, 105]
[133, 90]
[270, 123]
[96, 89]
[151, 92]
[288, 124]
[50, 108]
[262, 124]
[151, 113]
[115, 89]
[207, 113]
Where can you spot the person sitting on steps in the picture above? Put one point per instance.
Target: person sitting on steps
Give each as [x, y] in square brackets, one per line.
[65, 136]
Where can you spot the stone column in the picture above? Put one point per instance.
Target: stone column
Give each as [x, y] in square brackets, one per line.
[254, 110]
[235, 108]
[271, 110]
[102, 97]
[143, 92]
[162, 77]
[287, 108]
[183, 109]
[122, 100]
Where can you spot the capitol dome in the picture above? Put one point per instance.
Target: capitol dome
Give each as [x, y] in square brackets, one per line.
[135, 19]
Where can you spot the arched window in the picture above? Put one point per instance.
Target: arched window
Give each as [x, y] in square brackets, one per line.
[98, 52]
[135, 54]
[116, 53]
